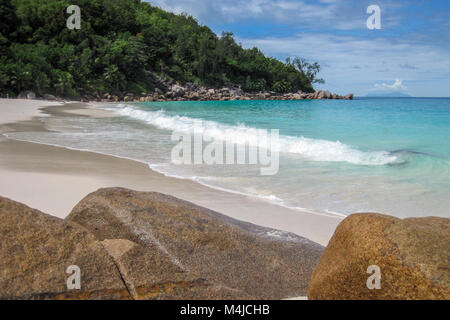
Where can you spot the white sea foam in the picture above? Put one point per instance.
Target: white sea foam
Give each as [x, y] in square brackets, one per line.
[311, 149]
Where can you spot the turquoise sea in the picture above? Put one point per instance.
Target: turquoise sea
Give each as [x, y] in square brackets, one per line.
[336, 157]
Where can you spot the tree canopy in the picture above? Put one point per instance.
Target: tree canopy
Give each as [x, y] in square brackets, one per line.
[119, 42]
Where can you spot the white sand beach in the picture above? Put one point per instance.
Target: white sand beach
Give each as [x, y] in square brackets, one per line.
[54, 179]
[12, 110]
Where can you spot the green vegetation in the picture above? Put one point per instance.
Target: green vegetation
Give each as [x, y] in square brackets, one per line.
[120, 42]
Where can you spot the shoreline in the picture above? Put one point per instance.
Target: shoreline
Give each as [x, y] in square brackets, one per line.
[64, 176]
[177, 92]
[174, 91]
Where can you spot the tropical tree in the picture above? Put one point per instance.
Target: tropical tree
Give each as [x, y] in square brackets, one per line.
[310, 70]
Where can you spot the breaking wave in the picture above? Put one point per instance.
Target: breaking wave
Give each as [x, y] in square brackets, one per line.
[311, 149]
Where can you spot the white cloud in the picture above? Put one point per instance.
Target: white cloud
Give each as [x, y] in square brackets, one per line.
[397, 85]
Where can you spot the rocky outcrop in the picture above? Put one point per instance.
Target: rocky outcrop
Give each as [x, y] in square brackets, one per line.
[413, 256]
[137, 245]
[179, 236]
[48, 97]
[170, 90]
[193, 92]
[349, 96]
[26, 95]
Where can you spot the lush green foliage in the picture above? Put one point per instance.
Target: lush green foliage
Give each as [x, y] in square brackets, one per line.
[118, 43]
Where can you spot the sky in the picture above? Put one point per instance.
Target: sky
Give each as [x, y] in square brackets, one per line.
[409, 54]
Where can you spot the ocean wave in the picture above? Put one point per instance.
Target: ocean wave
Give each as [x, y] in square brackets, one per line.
[311, 149]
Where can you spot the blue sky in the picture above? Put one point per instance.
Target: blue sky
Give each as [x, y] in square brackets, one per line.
[410, 53]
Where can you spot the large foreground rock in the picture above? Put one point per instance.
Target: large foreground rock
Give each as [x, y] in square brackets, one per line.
[148, 274]
[413, 256]
[171, 237]
[36, 249]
